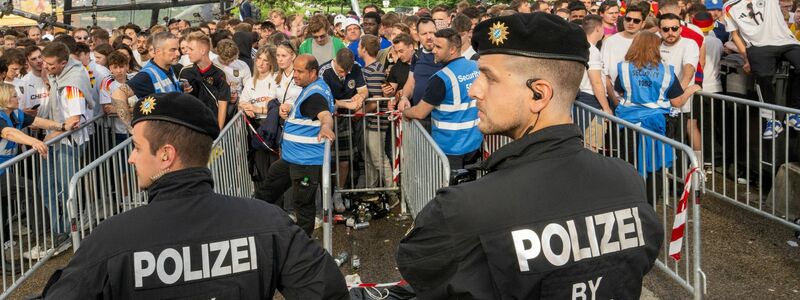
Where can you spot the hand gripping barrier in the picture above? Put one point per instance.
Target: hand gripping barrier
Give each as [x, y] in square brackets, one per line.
[425, 167]
[746, 169]
[33, 198]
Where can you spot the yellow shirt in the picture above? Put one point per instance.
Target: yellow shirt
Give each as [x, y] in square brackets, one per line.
[795, 30]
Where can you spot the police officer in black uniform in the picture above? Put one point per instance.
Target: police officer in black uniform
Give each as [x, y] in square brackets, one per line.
[189, 242]
[551, 220]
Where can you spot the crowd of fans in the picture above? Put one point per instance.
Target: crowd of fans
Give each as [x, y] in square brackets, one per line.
[667, 48]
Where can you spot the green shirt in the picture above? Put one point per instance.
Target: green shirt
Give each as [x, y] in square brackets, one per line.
[307, 45]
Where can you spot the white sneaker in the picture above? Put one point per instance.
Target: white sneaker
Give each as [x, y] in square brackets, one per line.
[36, 253]
[793, 121]
[338, 203]
[772, 128]
[9, 244]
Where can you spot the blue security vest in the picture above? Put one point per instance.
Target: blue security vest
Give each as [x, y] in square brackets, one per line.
[645, 90]
[455, 120]
[161, 81]
[645, 103]
[8, 149]
[299, 145]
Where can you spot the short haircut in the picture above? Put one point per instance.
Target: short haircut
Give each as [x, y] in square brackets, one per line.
[100, 34]
[220, 35]
[372, 15]
[411, 21]
[6, 90]
[402, 28]
[104, 49]
[30, 50]
[79, 29]
[645, 6]
[199, 37]
[243, 27]
[577, 5]
[461, 23]
[515, 4]
[667, 3]
[452, 37]
[227, 50]
[471, 12]
[371, 44]
[268, 25]
[564, 75]
[424, 20]
[440, 8]
[157, 28]
[117, 59]
[606, 5]
[668, 17]
[591, 22]
[81, 48]
[403, 38]
[345, 59]
[312, 63]
[389, 19]
[160, 38]
[56, 49]
[635, 8]
[67, 40]
[193, 147]
[133, 27]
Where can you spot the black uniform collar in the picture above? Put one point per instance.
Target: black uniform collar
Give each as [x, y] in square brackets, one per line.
[191, 181]
[553, 141]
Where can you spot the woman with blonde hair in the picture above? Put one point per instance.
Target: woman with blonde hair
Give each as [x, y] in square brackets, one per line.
[13, 120]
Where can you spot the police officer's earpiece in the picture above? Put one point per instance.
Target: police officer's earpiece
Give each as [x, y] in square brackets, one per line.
[536, 95]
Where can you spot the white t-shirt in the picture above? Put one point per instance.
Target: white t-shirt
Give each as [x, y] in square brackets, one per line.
[288, 91]
[235, 73]
[683, 52]
[711, 78]
[97, 74]
[614, 49]
[759, 22]
[259, 93]
[595, 63]
[73, 103]
[33, 91]
[107, 88]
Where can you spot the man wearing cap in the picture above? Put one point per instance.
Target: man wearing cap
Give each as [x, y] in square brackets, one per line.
[371, 24]
[714, 8]
[523, 231]
[190, 242]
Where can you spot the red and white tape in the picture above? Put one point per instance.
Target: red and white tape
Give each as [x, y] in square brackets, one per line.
[679, 223]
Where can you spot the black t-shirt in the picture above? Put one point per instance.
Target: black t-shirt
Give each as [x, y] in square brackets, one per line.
[434, 93]
[209, 85]
[343, 89]
[312, 106]
[27, 121]
[141, 84]
[399, 74]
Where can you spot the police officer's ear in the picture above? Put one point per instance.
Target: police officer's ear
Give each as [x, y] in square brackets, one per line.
[541, 93]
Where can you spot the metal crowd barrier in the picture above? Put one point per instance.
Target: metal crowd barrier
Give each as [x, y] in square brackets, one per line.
[228, 161]
[327, 200]
[33, 199]
[663, 164]
[355, 142]
[747, 170]
[425, 167]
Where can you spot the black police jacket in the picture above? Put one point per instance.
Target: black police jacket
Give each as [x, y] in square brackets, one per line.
[191, 243]
[550, 220]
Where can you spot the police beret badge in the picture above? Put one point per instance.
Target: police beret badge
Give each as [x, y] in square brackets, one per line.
[498, 33]
[148, 105]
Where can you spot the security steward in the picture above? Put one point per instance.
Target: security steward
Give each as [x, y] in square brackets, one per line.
[189, 242]
[551, 219]
[308, 122]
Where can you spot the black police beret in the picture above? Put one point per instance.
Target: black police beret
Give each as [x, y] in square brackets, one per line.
[537, 35]
[178, 108]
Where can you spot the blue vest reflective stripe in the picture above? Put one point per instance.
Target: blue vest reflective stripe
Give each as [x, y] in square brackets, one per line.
[161, 81]
[8, 149]
[455, 120]
[299, 145]
[645, 90]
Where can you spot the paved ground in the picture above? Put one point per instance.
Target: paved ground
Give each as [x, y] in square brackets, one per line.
[744, 257]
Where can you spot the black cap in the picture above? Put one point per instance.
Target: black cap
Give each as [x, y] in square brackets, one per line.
[178, 108]
[536, 35]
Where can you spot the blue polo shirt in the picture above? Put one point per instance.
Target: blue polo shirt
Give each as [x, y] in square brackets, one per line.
[342, 88]
[423, 67]
[354, 48]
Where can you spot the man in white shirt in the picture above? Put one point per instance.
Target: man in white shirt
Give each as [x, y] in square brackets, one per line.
[593, 90]
[615, 47]
[711, 78]
[760, 33]
[683, 54]
[34, 90]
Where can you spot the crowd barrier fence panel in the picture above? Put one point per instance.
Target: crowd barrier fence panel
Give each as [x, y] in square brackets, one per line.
[424, 166]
